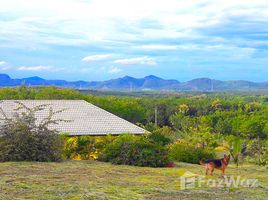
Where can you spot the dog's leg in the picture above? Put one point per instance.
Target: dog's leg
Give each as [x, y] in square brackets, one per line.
[206, 169]
[211, 171]
[223, 170]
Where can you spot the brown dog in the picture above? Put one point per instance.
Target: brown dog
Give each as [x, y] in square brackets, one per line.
[221, 164]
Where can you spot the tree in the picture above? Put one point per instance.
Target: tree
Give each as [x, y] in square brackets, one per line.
[216, 104]
[235, 146]
[253, 128]
[25, 139]
[184, 109]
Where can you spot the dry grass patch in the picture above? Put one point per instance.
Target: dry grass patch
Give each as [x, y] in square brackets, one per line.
[96, 180]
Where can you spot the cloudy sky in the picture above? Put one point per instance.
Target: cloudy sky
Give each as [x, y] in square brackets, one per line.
[103, 39]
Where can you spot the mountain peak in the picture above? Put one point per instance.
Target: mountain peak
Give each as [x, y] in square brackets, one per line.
[152, 77]
[201, 79]
[131, 83]
[4, 76]
[34, 78]
[127, 77]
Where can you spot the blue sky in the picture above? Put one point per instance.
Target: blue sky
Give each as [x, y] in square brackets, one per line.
[104, 39]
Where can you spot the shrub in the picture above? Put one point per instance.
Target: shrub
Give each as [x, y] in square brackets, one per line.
[162, 135]
[236, 147]
[159, 138]
[21, 139]
[135, 150]
[85, 147]
[257, 152]
[189, 153]
[79, 147]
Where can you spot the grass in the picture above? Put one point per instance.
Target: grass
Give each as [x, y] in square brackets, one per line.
[76, 180]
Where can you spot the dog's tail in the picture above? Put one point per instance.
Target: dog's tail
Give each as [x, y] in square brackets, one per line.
[202, 162]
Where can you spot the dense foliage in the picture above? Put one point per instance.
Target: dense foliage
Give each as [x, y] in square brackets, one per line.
[202, 120]
[85, 147]
[183, 152]
[239, 115]
[23, 140]
[135, 150]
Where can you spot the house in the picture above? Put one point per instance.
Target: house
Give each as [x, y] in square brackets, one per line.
[83, 118]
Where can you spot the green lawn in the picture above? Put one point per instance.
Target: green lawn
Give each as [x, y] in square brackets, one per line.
[97, 180]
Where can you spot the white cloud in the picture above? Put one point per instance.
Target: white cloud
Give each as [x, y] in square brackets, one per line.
[4, 66]
[222, 50]
[132, 27]
[103, 69]
[114, 70]
[136, 61]
[3, 63]
[98, 57]
[157, 47]
[72, 22]
[38, 68]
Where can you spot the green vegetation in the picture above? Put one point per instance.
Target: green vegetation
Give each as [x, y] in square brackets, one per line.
[22, 139]
[85, 147]
[240, 115]
[77, 180]
[189, 127]
[205, 121]
[135, 150]
[183, 152]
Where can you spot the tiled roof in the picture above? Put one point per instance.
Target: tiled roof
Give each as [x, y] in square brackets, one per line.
[85, 118]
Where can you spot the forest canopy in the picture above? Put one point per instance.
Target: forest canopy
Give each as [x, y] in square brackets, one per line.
[238, 115]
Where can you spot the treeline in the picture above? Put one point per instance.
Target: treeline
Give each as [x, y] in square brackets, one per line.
[189, 128]
[241, 116]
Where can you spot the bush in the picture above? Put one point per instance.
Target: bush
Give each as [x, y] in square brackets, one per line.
[159, 138]
[257, 152]
[188, 153]
[21, 139]
[135, 150]
[85, 147]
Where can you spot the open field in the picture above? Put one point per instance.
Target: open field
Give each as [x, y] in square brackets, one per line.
[97, 180]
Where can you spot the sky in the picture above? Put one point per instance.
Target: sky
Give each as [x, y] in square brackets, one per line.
[104, 39]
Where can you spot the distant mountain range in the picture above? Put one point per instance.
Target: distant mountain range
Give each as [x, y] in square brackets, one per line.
[129, 83]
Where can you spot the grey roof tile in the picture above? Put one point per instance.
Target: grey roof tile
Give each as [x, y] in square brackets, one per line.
[85, 118]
